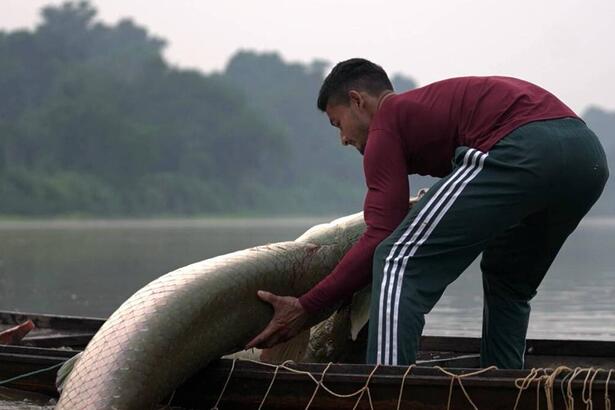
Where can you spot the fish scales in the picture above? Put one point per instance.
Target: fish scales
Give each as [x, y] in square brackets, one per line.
[179, 322]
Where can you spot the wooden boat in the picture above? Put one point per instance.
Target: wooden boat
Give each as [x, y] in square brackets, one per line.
[426, 386]
[54, 330]
[432, 384]
[54, 340]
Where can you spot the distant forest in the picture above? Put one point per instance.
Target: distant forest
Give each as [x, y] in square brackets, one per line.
[94, 122]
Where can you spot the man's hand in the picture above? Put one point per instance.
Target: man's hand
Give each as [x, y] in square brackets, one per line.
[289, 318]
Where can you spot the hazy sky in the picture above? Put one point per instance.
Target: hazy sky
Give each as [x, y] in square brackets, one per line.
[565, 46]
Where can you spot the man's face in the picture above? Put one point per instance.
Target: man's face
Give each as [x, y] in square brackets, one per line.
[352, 120]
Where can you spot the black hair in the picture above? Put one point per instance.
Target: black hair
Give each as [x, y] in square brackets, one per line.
[356, 73]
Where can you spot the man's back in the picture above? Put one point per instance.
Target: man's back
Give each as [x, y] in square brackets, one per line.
[466, 111]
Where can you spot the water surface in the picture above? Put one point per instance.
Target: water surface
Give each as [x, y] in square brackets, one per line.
[90, 267]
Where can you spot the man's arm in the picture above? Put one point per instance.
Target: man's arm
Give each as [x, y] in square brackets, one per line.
[386, 205]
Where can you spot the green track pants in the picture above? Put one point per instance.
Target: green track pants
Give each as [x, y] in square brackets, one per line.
[516, 204]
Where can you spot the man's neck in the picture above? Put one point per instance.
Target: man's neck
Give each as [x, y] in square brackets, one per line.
[385, 94]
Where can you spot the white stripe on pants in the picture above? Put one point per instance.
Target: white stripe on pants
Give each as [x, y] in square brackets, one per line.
[422, 226]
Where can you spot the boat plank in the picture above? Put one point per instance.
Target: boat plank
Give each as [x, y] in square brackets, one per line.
[424, 388]
[56, 322]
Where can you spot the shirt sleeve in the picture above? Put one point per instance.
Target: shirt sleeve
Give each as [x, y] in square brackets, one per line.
[386, 205]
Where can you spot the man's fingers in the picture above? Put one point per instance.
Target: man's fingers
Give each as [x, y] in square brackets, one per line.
[262, 343]
[262, 337]
[268, 343]
[280, 328]
[274, 339]
[267, 296]
[253, 343]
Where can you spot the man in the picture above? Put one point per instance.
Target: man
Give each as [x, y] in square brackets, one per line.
[519, 170]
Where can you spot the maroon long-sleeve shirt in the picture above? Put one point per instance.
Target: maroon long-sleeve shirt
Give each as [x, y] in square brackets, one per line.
[416, 132]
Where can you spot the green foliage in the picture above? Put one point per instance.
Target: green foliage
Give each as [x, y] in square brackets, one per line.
[286, 94]
[38, 193]
[93, 121]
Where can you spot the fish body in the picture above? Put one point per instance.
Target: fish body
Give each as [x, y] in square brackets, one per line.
[181, 321]
[178, 323]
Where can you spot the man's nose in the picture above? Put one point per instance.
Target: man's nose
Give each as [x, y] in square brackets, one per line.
[344, 139]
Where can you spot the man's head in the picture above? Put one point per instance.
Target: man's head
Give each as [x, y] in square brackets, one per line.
[350, 95]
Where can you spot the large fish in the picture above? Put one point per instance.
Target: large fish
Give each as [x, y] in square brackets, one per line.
[181, 321]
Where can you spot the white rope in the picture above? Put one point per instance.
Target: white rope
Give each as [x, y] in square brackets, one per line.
[546, 377]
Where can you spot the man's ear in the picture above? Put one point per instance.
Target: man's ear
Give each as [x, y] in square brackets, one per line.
[356, 98]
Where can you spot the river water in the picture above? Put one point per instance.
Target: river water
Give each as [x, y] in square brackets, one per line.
[89, 268]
